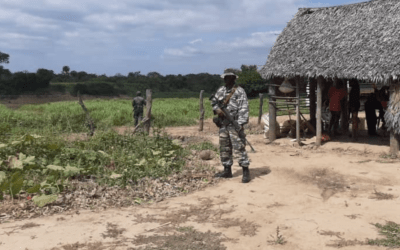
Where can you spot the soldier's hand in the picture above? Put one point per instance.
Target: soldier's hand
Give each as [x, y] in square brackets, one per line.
[219, 112]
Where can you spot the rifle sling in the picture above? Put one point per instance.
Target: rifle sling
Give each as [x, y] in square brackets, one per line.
[229, 96]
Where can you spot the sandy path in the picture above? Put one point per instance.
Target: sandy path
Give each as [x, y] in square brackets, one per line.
[316, 197]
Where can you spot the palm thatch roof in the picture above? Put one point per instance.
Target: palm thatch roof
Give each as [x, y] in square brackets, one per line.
[350, 41]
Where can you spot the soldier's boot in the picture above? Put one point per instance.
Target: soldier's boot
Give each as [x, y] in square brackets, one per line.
[246, 175]
[227, 173]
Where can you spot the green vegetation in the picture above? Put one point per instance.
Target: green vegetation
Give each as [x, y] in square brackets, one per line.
[392, 232]
[35, 157]
[43, 165]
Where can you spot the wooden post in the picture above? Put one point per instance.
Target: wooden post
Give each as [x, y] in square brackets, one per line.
[313, 85]
[201, 111]
[319, 110]
[344, 124]
[272, 112]
[148, 111]
[394, 138]
[260, 110]
[88, 119]
[298, 110]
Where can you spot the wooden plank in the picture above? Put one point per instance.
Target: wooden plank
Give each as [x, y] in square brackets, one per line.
[319, 110]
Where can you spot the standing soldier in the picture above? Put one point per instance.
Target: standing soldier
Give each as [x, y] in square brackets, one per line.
[237, 104]
[138, 103]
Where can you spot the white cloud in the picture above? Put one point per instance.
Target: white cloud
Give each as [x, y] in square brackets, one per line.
[126, 33]
[196, 41]
[256, 40]
[184, 52]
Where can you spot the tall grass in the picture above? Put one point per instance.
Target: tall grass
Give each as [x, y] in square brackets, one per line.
[64, 117]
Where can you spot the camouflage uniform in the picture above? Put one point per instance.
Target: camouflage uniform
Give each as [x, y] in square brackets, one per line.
[238, 107]
[138, 103]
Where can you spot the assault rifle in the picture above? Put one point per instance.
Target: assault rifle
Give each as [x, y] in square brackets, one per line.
[232, 121]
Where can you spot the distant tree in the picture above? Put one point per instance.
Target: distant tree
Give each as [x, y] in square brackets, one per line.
[43, 78]
[154, 74]
[82, 75]
[119, 75]
[5, 73]
[65, 70]
[251, 80]
[74, 73]
[4, 57]
[134, 74]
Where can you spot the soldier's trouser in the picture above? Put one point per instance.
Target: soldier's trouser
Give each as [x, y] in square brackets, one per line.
[137, 116]
[229, 141]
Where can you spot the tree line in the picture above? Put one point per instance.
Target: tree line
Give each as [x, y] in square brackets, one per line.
[46, 80]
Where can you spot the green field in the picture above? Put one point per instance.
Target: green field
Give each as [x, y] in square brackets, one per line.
[35, 158]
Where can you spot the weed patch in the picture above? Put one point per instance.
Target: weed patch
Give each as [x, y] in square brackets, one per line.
[391, 231]
[278, 240]
[183, 238]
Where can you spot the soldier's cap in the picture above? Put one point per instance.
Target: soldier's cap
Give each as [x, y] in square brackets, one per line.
[138, 93]
[229, 74]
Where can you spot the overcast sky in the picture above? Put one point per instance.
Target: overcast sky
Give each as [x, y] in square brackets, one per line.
[167, 36]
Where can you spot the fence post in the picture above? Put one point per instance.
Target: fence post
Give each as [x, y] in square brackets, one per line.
[88, 119]
[261, 106]
[272, 111]
[201, 111]
[297, 79]
[148, 111]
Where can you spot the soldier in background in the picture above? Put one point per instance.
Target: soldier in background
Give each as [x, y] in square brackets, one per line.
[138, 103]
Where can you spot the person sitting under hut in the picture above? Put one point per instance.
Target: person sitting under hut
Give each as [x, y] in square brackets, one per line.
[336, 94]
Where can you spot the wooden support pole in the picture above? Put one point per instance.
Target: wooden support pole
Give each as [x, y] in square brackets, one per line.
[201, 111]
[298, 110]
[319, 110]
[344, 124]
[88, 118]
[261, 107]
[313, 101]
[272, 113]
[394, 138]
[148, 110]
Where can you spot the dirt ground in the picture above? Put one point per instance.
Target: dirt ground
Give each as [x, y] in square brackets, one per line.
[298, 198]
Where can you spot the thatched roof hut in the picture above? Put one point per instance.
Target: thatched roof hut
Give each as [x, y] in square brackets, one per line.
[350, 41]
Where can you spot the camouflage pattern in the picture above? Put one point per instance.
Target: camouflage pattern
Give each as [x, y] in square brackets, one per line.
[138, 103]
[238, 105]
[229, 140]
